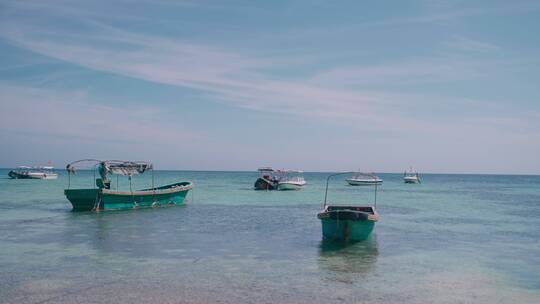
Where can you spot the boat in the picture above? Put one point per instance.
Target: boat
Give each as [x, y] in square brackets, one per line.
[347, 222]
[267, 179]
[290, 180]
[364, 179]
[36, 172]
[411, 177]
[104, 197]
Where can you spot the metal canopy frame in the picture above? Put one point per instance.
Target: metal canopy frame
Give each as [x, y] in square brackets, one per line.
[114, 167]
[343, 173]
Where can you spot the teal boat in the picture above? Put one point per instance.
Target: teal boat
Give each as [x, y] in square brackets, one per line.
[347, 222]
[102, 197]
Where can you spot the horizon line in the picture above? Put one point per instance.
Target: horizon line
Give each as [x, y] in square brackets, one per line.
[335, 171]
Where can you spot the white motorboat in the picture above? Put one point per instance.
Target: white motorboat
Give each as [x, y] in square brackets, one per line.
[364, 179]
[290, 180]
[40, 172]
[411, 177]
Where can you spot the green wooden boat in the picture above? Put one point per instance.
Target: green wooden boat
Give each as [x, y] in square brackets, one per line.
[346, 222]
[102, 197]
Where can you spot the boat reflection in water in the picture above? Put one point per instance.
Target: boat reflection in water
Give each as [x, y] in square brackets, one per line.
[348, 258]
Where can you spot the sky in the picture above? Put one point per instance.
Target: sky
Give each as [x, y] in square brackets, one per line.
[443, 86]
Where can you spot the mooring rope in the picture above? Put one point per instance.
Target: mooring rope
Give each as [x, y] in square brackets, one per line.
[97, 202]
[337, 224]
[153, 189]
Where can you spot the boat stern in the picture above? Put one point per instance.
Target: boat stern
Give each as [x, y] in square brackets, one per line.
[347, 223]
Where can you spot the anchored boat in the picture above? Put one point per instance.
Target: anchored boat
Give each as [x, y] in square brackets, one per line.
[364, 179]
[103, 197]
[291, 180]
[411, 177]
[39, 172]
[347, 222]
[267, 179]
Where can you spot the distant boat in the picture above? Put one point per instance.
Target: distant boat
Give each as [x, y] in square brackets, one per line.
[411, 177]
[267, 179]
[102, 197]
[291, 180]
[38, 172]
[347, 222]
[364, 179]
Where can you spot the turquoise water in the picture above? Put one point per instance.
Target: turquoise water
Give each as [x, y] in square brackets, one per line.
[452, 239]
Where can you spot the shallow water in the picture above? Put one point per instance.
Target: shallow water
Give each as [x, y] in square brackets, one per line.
[452, 239]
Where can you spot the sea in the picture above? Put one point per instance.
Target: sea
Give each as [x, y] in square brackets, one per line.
[450, 239]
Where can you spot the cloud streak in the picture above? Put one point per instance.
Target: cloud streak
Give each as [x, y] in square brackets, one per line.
[234, 78]
[72, 116]
[229, 76]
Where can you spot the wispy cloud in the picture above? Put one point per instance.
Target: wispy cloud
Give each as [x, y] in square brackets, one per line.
[73, 116]
[468, 44]
[411, 72]
[233, 77]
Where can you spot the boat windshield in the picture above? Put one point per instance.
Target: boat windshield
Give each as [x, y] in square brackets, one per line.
[410, 173]
[368, 176]
[291, 176]
[34, 168]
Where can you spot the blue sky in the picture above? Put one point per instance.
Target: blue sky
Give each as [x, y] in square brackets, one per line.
[444, 86]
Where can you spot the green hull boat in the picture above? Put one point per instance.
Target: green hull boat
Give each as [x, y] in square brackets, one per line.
[347, 222]
[106, 199]
[102, 197]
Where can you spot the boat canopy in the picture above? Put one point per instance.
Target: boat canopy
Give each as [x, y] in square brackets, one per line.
[127, 167]
[265, 169]
[120, 167]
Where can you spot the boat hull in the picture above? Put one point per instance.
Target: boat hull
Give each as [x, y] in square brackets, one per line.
[14, 175]
[411, 180]
[346, 230]
[264, 184]
[32, 175]
[353, 182]
[348, 223]
[106, 199]
[286, 186]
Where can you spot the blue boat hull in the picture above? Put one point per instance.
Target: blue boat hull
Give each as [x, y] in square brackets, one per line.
[346, 229]
[348, 223]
